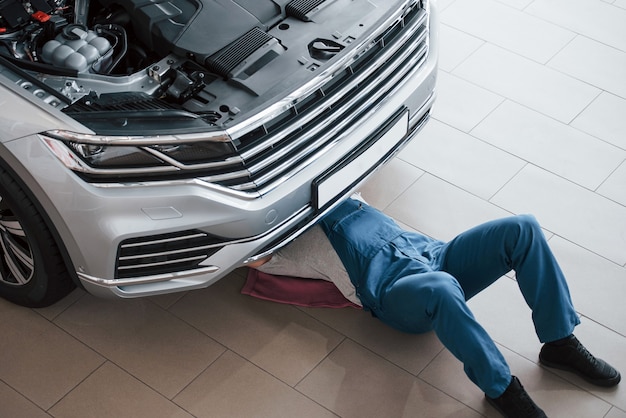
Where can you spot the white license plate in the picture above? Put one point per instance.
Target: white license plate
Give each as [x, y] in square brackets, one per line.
[350, 172]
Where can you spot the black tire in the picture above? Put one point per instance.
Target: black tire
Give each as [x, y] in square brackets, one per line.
[32, 270]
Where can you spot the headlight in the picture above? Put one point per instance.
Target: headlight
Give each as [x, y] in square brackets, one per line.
[100, 157]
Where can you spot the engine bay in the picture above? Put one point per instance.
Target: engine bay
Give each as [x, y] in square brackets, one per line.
[200, 61]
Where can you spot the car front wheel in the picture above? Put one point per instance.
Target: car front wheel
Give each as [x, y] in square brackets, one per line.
[32, 271]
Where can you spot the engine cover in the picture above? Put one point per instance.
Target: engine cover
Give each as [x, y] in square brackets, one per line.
[199, 27]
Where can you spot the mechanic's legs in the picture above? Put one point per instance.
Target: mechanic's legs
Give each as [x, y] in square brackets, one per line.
[480, 256]
[435, 301]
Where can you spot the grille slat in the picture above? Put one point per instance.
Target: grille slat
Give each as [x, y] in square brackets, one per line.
[162, 254]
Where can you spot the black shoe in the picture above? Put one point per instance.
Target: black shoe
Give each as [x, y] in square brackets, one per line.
[516, 403]
[569, 354]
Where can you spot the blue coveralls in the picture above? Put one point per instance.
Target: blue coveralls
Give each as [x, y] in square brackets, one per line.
[417, 284]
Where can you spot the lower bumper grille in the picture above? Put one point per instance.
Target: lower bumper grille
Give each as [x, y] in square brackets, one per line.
[163, 254]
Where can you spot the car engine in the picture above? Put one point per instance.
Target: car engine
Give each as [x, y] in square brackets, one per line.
[202, 60]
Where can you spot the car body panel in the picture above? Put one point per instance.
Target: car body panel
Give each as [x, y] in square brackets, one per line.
[93, 219]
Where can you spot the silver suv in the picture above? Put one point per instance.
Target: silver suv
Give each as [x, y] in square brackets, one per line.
[153, 146]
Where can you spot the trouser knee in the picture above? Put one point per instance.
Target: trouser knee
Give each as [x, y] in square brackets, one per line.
[443, 291]
[414, 302]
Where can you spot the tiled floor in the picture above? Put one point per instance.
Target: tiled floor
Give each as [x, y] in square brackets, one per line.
[531, 117]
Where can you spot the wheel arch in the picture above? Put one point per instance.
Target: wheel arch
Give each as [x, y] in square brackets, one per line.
[20, 175]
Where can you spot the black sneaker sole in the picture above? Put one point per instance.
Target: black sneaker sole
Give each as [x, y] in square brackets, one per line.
[607, 383]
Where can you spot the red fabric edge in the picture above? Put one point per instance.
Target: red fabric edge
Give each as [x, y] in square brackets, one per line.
[294, 291]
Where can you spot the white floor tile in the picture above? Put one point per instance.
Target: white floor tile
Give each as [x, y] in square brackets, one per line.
[568, 210]
[512, 326]
[455, 47]
[507, 27]
[604, 118]
[441, 210]
[597, 285]
[592, 18]
[461, 159]
[390, 182]
[527, 82]
[518, 4]
[550, 144]
[615, 186]
[602, 66]
[462, 104]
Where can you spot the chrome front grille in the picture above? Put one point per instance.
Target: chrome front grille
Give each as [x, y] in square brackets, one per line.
[164, 254]
[270, 146]
[283, 144]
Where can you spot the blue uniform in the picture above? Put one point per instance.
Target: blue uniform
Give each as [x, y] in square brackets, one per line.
[417, 284]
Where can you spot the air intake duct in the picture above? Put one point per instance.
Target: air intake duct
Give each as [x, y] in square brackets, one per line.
[301, 8]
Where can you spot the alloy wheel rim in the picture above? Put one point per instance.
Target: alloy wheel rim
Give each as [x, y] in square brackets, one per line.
[16, 262]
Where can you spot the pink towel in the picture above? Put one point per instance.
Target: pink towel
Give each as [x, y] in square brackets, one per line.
[294, 291]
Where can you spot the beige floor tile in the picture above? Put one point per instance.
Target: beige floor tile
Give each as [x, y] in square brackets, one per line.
[568, 210]
[409, 352]
[111, 392]
[353, 382]
[460, 159]
[555, 396]
[526, 82]
[146, 341]
[616, 413]
[550, 144]
[55, 310]
[604, 119]
[235, 388]
[446, 374]
[507, 27]
[39, 360]
[14, 405]
[276, 337]
[167, 300]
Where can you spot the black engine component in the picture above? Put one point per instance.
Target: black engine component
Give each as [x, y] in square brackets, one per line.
[13, 14]
[301, 8]
[197, 27]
